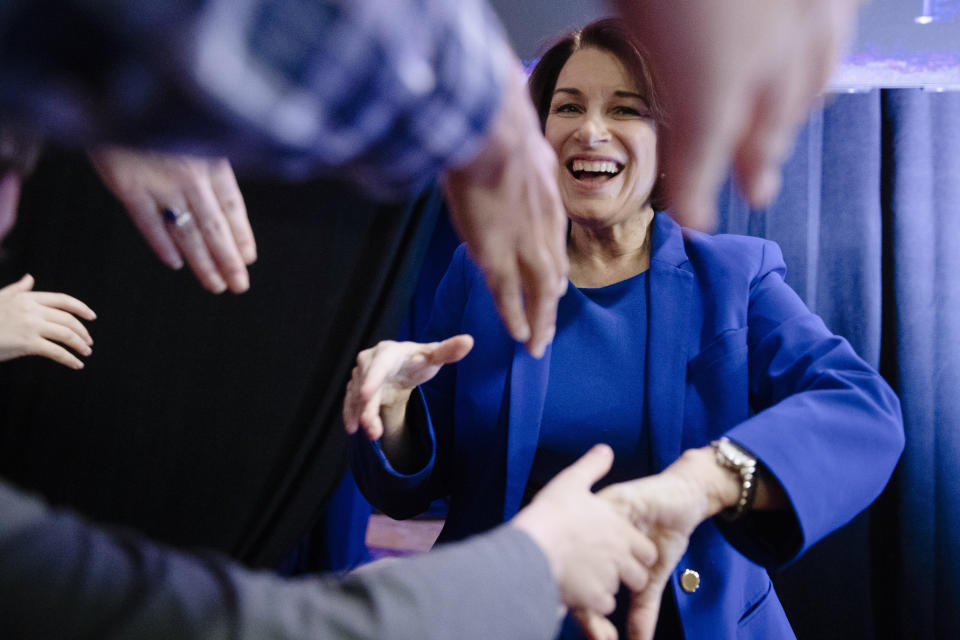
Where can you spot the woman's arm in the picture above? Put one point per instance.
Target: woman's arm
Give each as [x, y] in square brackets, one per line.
[667, 507]
[379, 391]
[402, 495]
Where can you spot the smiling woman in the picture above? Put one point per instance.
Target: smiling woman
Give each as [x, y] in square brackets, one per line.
[600, 113]
[686, 353]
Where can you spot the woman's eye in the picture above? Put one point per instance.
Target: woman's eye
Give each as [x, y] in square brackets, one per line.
[567, 108]
[622, 110]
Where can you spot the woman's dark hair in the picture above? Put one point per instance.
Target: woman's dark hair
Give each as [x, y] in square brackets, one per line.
[608, 34]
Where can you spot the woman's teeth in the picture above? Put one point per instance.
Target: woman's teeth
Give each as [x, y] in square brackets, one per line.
[594, 169]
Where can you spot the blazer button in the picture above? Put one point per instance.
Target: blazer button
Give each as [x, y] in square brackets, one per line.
[690, 580]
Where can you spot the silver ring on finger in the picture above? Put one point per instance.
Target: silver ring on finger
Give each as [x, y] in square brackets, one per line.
[176, 217]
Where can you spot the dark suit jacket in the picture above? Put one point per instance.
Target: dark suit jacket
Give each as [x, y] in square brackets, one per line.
[732, 350]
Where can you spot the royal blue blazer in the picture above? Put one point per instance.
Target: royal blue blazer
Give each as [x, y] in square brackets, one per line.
[733, 351]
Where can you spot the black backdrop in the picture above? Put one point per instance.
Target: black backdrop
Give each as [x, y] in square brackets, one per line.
[202, 420]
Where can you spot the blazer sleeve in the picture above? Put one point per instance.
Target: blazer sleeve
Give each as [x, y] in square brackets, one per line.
[827, 426]
[63, 577]
[430, 412]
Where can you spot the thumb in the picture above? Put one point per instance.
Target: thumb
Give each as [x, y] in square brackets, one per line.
[586, 471]
[23, 284]
[450, 350]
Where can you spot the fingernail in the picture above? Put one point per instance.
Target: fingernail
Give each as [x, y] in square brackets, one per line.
[249, 255]
[539, 349]
[240, 283]
[766, 188]
[522, 334]
[218, 285]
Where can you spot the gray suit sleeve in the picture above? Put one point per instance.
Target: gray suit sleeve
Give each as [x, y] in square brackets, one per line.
[61, 577]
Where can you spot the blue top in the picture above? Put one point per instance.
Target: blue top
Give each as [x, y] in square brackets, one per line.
[596, 396]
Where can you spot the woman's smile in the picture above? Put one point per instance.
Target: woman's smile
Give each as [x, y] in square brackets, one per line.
[600, 127]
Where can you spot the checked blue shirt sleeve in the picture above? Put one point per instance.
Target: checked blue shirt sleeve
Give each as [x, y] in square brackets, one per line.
[386, 93]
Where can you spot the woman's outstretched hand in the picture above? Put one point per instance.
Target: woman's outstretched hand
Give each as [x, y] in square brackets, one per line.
[37, 323]
[384, 377]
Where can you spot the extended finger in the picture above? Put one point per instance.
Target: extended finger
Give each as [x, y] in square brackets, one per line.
[586, 471]
[370, 418]
[227, 191]
[503, 278]
[594, 625]
[633, 573]
[378, 367]
[68, 321]
[778, 109]
[698, 149]
[10, 183]
[644, 611]
[65, 302]
[220, 246]
[59, 333]
[144, 211]
[642, 547]
[183, 229]
[540, 278]
[352, 404]
[23, 284]
[554, 235]
[55, 352]
[451, 350]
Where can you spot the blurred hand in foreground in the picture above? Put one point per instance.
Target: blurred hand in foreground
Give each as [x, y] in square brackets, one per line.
[186, 207]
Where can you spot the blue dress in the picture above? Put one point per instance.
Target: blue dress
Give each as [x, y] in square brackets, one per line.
[597, 398]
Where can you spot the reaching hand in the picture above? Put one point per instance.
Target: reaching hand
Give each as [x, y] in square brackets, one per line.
[10, 182]
[591, 547]
[738, 78]
[666, 507]
[378, 391]
[185, 207]
[33, 322]
[506, 206]
[18, 155]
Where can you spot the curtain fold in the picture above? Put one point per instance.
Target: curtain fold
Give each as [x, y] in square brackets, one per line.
[869, 221]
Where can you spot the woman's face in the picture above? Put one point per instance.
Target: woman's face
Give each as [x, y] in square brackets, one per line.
[601, 130]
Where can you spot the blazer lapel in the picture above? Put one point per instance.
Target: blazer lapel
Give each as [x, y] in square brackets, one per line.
[669, 331]
[528, 390]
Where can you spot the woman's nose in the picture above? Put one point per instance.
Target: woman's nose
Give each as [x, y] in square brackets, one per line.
[592, 131]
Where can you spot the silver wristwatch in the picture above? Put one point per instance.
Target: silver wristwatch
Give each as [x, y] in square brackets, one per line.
[734, 457]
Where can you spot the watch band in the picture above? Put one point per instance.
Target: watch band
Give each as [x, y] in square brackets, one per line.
[734, 457]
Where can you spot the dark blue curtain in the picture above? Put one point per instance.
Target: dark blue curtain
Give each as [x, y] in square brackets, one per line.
[869, 221]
